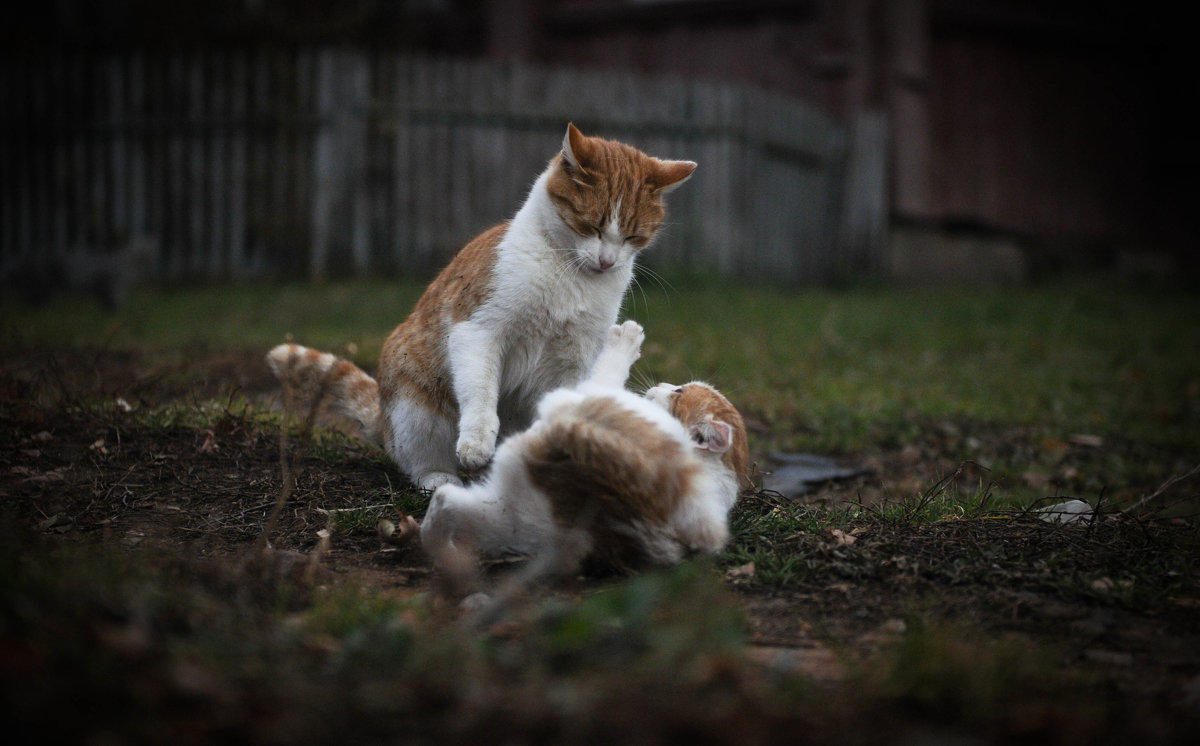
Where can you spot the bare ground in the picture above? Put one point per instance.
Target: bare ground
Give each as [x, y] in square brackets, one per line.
[201, 492]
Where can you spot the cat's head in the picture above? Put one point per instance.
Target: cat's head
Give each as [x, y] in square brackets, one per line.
[715, 426]
[611, 196]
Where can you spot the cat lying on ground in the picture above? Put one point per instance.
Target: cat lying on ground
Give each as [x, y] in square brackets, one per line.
[520, 311]
[603, 477]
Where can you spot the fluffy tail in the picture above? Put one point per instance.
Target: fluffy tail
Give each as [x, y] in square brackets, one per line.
[317, 378]
[613, 475]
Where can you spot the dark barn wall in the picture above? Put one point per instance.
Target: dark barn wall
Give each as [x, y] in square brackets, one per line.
[1044, 136]
[1053, 121]
[763, 43]
[1046, 121]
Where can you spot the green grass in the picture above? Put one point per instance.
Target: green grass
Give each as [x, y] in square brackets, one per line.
[1015, 372]
[219, 317]
[859, 370]
[824, 370]
[848, 366]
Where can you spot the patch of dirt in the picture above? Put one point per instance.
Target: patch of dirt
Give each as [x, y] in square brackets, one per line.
[102, 474]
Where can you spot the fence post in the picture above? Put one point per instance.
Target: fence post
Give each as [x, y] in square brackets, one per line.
[340, 204]
[862, 233]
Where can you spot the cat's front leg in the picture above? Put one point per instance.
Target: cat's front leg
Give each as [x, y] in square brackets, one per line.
[622, 348]
[475, 363]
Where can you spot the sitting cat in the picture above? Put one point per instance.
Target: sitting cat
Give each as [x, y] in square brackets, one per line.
[521, 310]
[603, 476]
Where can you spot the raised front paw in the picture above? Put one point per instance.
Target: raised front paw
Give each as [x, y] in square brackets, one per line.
[477, 443]
[626, 339]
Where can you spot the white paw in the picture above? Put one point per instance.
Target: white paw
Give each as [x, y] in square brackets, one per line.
[434, 479]
[627, 339]
[477, 444]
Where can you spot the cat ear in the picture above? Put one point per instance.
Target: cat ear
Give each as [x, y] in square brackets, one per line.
[712, 435]
[575, 149]
[669, 174]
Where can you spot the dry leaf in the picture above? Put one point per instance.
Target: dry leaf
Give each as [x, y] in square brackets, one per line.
[743, 571]
[32, 476]
[210, 443]
[842, 538]
[1108, 584]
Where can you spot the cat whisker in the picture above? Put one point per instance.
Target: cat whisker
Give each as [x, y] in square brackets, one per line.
[660, 280]
[634, 290]
[643, 381]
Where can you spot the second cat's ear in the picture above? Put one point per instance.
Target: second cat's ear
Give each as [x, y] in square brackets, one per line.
[575, 149]
[712, 435]
[669, 174]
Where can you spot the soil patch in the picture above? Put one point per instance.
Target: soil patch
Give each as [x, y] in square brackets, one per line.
[82, 462]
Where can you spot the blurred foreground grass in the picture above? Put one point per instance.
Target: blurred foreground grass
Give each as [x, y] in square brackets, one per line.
[151, 648]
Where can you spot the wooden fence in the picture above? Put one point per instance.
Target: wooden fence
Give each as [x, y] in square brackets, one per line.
[330, 162]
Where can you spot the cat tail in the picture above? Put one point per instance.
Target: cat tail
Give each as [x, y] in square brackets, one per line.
[621, 489]
[318, 378]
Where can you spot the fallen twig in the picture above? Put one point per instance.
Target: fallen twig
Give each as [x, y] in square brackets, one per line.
[1168, 484]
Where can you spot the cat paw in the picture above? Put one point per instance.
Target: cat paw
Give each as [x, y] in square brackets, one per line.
[434, 479]
[627, 338]
[476, 445]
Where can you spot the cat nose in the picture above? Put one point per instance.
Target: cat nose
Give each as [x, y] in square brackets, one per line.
[605, 263]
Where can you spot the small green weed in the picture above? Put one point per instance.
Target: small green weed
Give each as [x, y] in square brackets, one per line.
[659, 621]
[779, 535]
[941, 501]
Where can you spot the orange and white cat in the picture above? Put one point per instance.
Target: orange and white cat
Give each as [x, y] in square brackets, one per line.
[603, 476]
[521, 310]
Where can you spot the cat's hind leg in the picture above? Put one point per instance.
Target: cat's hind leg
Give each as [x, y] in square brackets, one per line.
[422, 444]
[474, 520]
[447, 523]
[503, 514]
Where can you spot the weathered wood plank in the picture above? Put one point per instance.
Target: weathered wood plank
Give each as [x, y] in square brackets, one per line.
[317, 160]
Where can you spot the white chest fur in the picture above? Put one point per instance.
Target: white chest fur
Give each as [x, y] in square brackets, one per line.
[548, 310]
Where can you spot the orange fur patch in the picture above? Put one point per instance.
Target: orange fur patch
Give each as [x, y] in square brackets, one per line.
[612, 175]
[413, 360]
